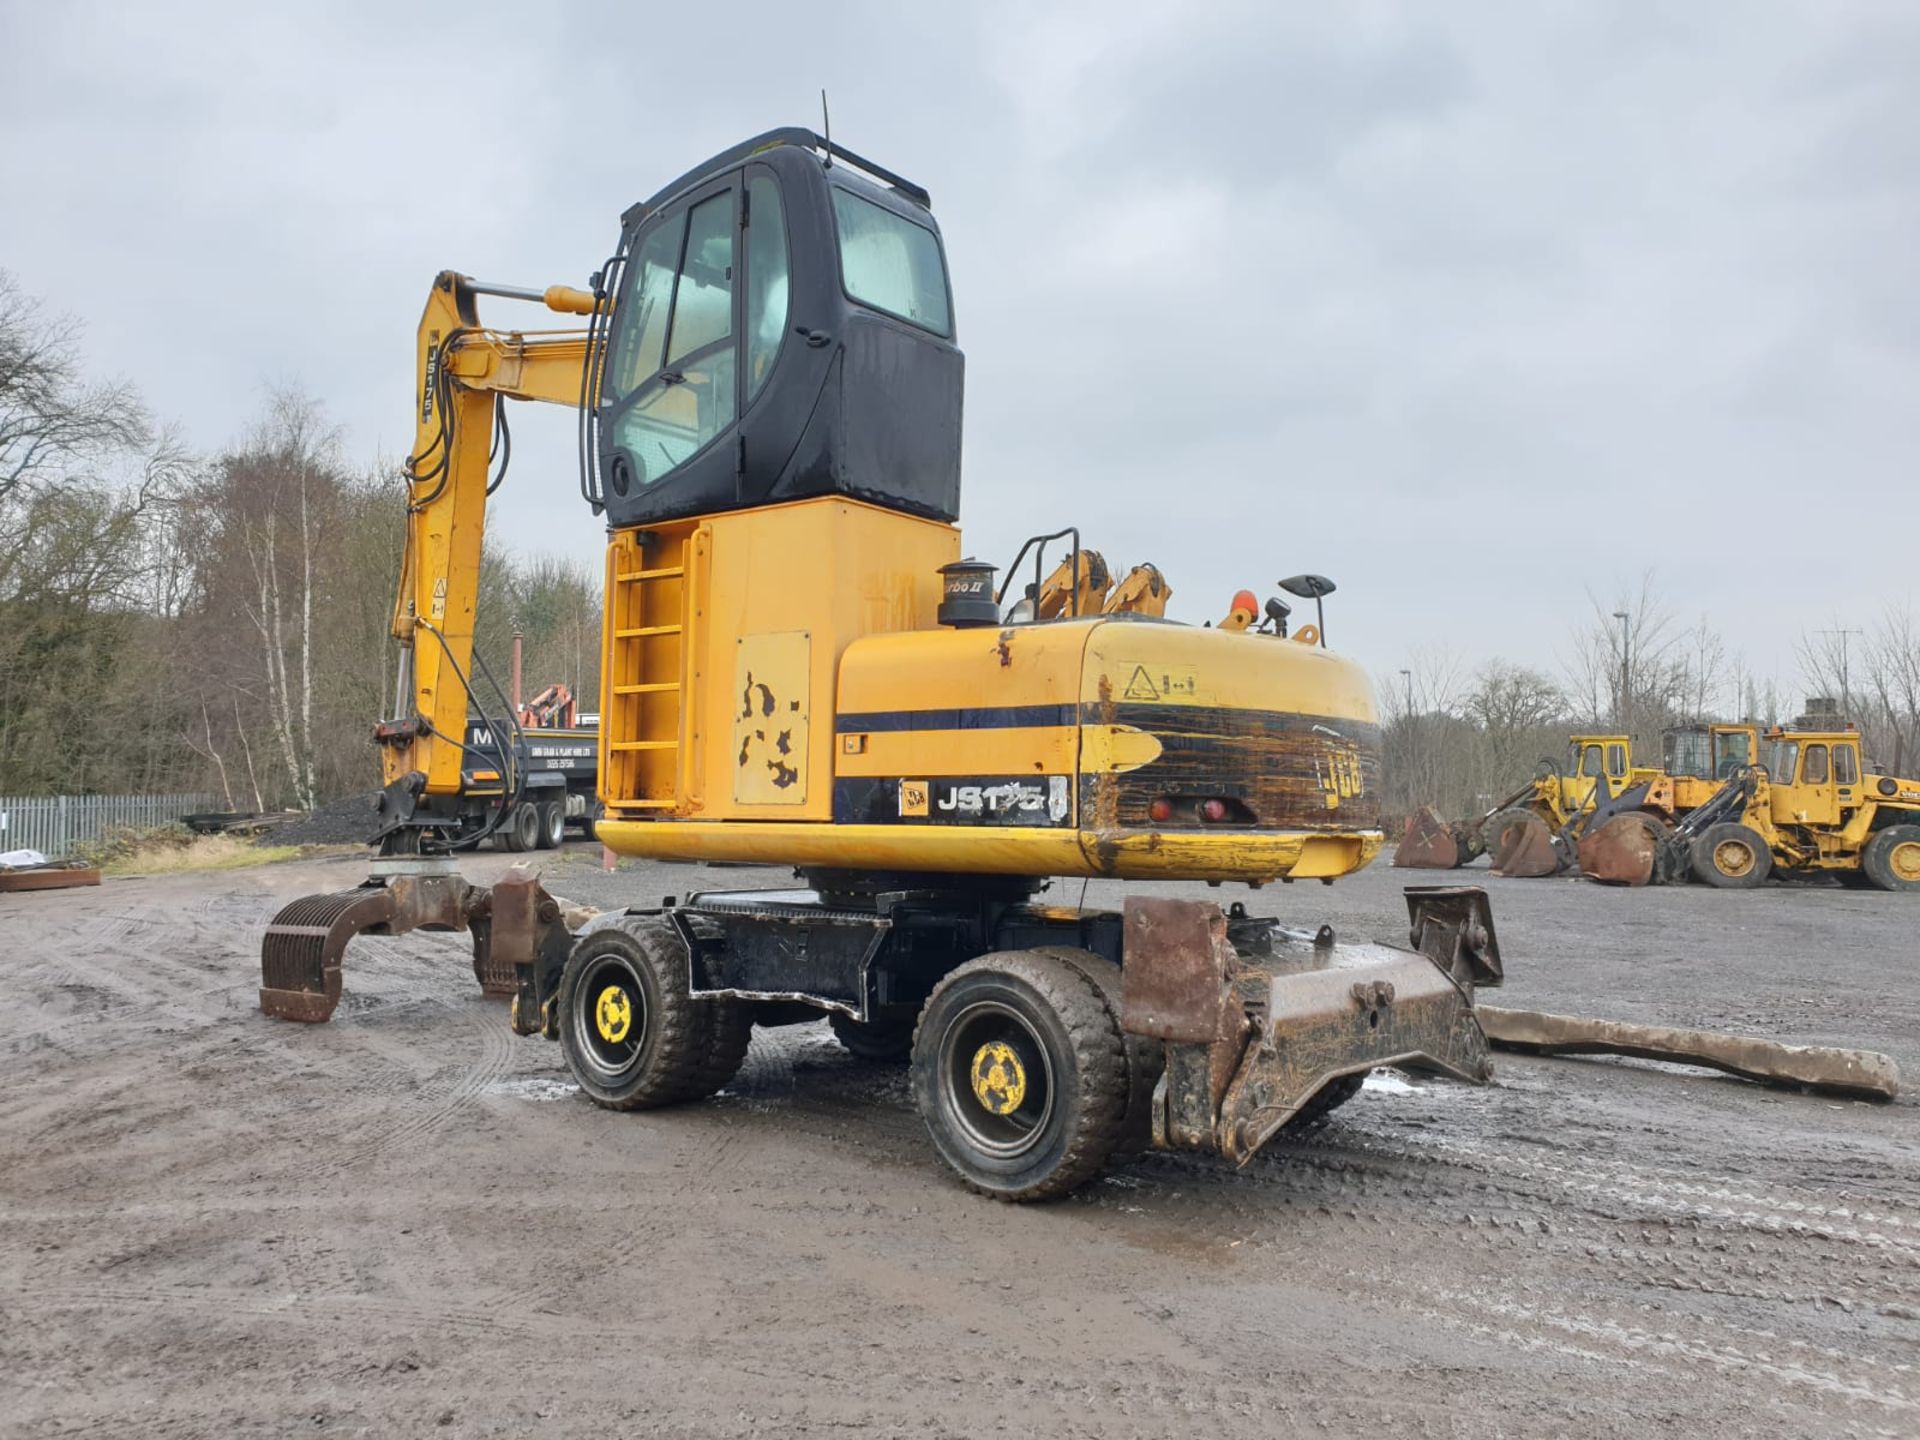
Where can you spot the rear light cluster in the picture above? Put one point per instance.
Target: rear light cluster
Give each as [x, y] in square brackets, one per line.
[1198, 809]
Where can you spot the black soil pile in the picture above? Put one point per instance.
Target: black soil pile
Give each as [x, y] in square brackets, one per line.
[350, 820]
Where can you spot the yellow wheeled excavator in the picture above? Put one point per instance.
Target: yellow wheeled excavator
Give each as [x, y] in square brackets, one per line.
[801, 669]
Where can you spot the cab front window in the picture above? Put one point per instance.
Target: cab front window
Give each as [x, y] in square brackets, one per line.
[1786, 756]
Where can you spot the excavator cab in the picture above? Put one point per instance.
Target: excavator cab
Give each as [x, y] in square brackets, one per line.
[781, 327]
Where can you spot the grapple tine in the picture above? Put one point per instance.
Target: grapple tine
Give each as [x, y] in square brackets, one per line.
[300, 953]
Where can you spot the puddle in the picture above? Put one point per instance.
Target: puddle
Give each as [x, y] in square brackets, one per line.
[533, 1089]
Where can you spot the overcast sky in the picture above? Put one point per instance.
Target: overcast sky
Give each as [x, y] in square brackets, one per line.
[1474, 308]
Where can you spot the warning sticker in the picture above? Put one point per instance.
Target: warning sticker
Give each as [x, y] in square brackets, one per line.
[1160, 684]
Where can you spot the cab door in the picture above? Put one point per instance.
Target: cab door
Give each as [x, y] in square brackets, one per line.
[1813, 798]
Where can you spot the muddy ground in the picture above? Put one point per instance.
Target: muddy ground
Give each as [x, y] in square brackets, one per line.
[407, 1222]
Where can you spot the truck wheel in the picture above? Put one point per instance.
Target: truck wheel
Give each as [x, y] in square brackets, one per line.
[522, 829]
[553, 824]
[634, 1038]
[1019, 1071]
[1731, 856]
[882, 1041]
[1891, 860]
[590, 822]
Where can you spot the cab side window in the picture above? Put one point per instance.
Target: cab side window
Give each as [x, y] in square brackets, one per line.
[1813, 770]
[1590, 762]
[1616, 759]
[1846, 765]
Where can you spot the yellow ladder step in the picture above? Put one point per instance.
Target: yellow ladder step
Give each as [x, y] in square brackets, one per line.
[652, 687]
[667, 572]
[643, 804]
[644, 745]
[642, 630]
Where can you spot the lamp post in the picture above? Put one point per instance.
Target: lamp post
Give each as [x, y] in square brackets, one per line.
[1626, 673]
[1407, 713]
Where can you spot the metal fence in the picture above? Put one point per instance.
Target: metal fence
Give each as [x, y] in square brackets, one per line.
[56, 824]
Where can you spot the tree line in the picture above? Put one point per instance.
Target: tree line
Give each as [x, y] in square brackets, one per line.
[1463, 737]
[171, 621]
[174, 621]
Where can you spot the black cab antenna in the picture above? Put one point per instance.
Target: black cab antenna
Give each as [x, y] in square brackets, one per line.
[826, 129]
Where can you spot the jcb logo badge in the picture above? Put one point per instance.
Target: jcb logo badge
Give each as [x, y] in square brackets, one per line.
[913, 797]
[1338, 772]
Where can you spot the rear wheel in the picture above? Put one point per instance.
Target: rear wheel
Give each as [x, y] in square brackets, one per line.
[1731, 856]
[553, 824]
[633, 1035]
[590, 822]
[885, 1042]
[1331, 1097]
[1146, 1058]
[1019, 1070]
[522, 828]
[1891, 860]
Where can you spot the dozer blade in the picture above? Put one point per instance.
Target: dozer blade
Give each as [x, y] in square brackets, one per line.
[1429, 843]
[1253, 1034]
[300, 953]
[1621, 850]
[1523, 848]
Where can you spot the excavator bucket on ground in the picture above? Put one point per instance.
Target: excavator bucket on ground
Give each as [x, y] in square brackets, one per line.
[1521, 845]
[1430, 843]
[1621, 850]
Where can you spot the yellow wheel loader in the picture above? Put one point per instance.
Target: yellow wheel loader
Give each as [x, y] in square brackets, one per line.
[1527, 832]
[1813, 808]
[801, 669]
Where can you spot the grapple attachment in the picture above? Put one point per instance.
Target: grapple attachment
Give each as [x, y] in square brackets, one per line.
[1431, 843]
[1257, 1023]
[300, 955]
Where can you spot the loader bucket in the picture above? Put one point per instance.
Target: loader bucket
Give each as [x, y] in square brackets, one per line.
[1621, 850]
[1429, 843]
[1522, 846]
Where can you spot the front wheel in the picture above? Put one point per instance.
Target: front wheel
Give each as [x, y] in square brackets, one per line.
[1891, 860]
[1731, 856]
[1020, 1073]
[633, 1035]
[885, 1042]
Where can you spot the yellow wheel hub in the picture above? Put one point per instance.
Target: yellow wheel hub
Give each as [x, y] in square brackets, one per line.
[1733, 858]
[613, 1014]
[1905, 861]
[999, 1079]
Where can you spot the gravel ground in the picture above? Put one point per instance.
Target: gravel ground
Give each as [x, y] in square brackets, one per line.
[409, 1221]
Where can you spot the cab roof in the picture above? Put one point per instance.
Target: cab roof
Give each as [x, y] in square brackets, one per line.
[793, 135]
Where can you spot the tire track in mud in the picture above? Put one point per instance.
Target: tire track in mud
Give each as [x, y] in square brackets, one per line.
[1571, 1226]
[431, 1105]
